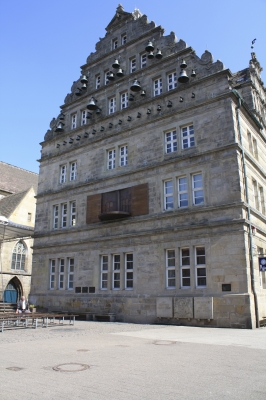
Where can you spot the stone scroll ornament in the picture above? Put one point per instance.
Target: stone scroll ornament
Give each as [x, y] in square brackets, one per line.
[262, 264]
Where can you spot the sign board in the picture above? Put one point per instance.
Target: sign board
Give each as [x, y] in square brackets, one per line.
[262, 263]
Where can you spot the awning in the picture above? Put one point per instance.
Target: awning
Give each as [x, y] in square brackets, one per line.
[15, 231]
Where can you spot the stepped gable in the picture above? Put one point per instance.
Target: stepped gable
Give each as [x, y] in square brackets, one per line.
[9, 203]
[14, 179]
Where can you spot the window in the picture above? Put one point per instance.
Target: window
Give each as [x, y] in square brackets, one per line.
[61, 273]
[112, 105]
[74, 121]
[255, 148]
[187, 133]
[170, 142]
[185, 268]
[106, 80]
[168, 195]
[250, 143]
[52, 274]
[133, 65]
[111, 159]
[123, 39]
[63, 171]
[123, 156]
[172, 82]
[157, 86]
[129, 271]
[55, 217]
[197, 188]
[114, 43]
[262, 273]
[182, 192]
[18, 256]
[116, 271]
[255, 194]
[124, 100]
[73, 213]
[200, 267]
[261, 200]
[70, 280]
[98, 81]
[143, 60]
[170, 268]
[29, 217]
[83, 117]
[73, 171]
[104, 272]
[64, 215]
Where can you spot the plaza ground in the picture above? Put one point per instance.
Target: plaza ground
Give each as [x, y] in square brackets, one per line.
[101, 360]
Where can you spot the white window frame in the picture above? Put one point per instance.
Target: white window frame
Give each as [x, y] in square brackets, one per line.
[187, 136]
[73, 213]
[74, 121]
[143, 60]
[255, 148]
[61, 274]
[112, 105]
[73, 171]
[111, 159]
[63, 173]
[255, 194]
[116, 275]
[18, 261]
[70, 274]
[172, 80]
[124, 100]
[170, 141]
[123, 39]
[170, 269]
[184, 266]
[63, 215]
[133, 64]
[114, 44]
[83, 117]
[52, 274]
[168, 195]
[261, 199]
[250, 144]
[197, 189]
[123, 152]
[104, 272]
[157, 86]
[97, 81]
[129, 274]
[200, 265]
[182, 189]
[56, 216]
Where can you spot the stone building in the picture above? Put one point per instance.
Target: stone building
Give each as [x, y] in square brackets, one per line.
[18, 188]
[151, 198]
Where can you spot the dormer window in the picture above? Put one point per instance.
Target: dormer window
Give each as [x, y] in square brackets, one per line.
[114, 43]
[124, 38]
[74, 121]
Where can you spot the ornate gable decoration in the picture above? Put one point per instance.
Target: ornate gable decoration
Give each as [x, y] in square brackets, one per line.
[120, 17]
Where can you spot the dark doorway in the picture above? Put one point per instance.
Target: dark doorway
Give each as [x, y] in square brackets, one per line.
[13, 291]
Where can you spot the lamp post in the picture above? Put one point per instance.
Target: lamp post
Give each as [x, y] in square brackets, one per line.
[3, 221]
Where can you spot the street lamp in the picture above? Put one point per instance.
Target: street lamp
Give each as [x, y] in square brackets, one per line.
[3, 221]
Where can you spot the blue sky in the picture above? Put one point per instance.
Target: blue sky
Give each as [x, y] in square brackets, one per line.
[44, 43]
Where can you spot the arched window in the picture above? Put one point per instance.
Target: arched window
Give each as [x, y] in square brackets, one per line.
[18, 256]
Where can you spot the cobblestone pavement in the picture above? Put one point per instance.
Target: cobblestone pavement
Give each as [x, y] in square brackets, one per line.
[97, 360]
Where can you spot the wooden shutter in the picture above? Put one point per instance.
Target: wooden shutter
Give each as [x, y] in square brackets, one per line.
[125, 200]
[140, 199]
[93, 208]
[110, 201]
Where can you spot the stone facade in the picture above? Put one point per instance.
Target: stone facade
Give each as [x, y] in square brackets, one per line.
[147, 203]
[16, 252]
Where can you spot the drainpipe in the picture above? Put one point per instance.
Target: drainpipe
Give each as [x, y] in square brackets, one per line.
[249, 220]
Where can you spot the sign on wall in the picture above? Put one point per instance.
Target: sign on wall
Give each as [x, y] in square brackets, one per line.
[262, 263]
